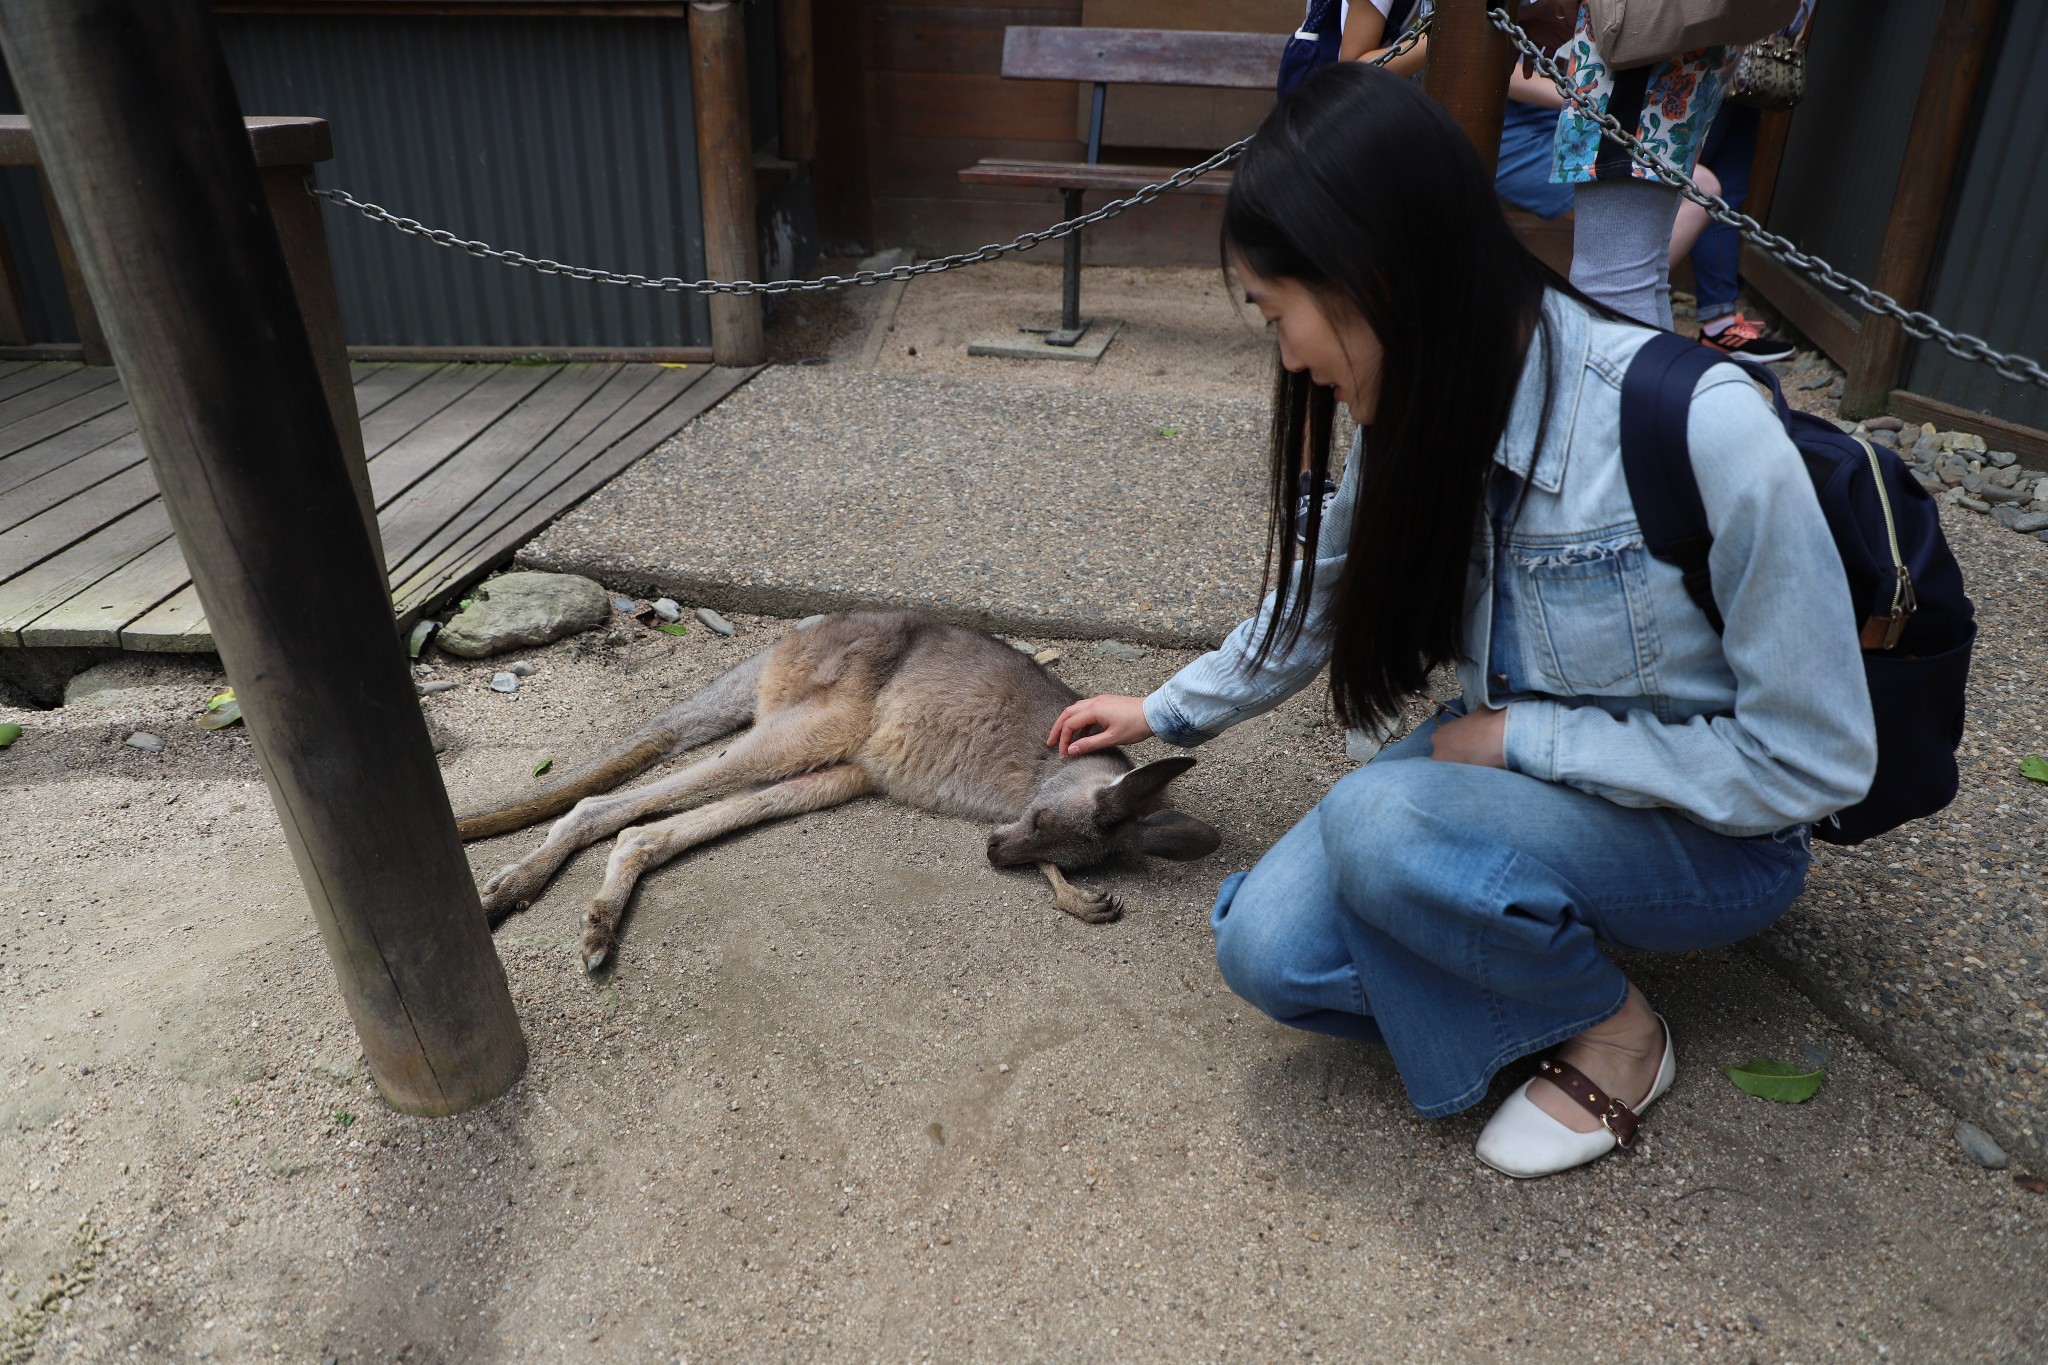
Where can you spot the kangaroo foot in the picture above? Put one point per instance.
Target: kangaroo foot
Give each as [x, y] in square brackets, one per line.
[600, 935]
[1090, 907]
[513, 888]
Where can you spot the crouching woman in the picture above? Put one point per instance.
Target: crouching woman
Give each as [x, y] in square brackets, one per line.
[1615, 772]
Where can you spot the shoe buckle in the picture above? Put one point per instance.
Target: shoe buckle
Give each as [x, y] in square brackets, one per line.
[1626, 1134]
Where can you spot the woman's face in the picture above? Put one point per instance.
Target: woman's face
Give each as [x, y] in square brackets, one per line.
[1322, 337]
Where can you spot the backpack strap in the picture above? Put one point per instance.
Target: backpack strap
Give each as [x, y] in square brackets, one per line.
[1656, 399]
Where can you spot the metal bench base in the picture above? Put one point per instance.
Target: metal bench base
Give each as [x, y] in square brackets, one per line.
[1031, 343]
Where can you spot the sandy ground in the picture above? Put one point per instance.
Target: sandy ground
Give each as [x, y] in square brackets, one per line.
[852, 1094]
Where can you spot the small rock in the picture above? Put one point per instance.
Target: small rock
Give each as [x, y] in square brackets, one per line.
[430, 689]
[518, 609]
[1964, 441]
[1047, 656]
[1847, 428]
[1885, 423]
[2041, 491]
[1117, 649]
[714, 622]
[1949, 473]
[1882, 437]
[2004, 478]
[1815, 1055]
[625, 604]
[1928, 481]
[145, 741]
[1820, 379]
[2000, 459]
[520, 669]
[1993, 494]
[2027, 523]
[810, 621]
[1973, 483]
[504, 682]
[1955, 494]
[1981, 1147]
[1022, 646]
[668, 609]
[1974, 504]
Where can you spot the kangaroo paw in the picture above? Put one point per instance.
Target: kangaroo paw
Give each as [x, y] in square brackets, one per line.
[1090, 907]
[600, 936]
[513, 888]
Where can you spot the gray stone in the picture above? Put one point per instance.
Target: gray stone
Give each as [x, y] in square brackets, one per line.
[145, 741]
[1973, 483]
[504, 682]
[1848, 428]
[1814, 1054]
[1963, 442]
[1949, 473]
[625, 604]
[520, 669]
[714, 622]
[2001, 459]
[810, 621]
[1974, 504]
[2027, 523]
[1993, 494]
[1885, 423]
[1980, 1146]
[1883, 437]
[432, 689]
[1033, 346]
[2004, 478]
[1819, 379]
[1117, 649]
[668, 609]
[519, 609]
[1927, 480]
[1022, 646]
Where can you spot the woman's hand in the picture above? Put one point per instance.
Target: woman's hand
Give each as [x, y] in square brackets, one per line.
[1099, 723]
[1479, 738]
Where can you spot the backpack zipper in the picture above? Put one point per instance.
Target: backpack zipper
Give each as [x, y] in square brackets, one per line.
[1903, 601]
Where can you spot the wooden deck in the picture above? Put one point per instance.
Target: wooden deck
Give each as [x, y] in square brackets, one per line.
[466, 462]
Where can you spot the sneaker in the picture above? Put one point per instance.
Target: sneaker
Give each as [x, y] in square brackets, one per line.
[1744, 338]
[1329, 492]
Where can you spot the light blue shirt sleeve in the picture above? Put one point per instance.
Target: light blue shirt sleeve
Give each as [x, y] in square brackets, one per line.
[1800, 742]
[1220, 689]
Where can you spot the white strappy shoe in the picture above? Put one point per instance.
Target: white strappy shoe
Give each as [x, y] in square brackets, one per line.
[1522, 1141]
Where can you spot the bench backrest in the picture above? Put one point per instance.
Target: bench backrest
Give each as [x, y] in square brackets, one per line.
[1143, 56]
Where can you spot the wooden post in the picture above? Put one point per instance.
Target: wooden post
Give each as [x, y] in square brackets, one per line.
[90, 338]
[1934, 143]
[1467, 72]
[725, 173]
[13, 304]
[136, 117]
[798, 85]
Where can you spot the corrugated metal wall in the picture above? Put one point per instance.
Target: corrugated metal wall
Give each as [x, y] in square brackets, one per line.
[570, 138]
[1991, 274]
[1864, 67]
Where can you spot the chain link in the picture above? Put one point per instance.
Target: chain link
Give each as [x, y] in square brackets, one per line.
[677, 285]
[1912, 321]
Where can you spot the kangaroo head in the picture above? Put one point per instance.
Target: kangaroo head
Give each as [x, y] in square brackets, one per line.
[1083, 812]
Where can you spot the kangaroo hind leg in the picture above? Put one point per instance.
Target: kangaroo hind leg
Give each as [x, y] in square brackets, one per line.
[779, 745]
[643, 848]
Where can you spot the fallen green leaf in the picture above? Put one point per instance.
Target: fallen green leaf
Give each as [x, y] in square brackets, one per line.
[2034, 766]
[422, 632]
[673, 629]
[1784, 1082]
[220, 714]
[9, 733]
[543, 766]
[220, 699]
[465, 604]
[342, 1118]
[1169, 431]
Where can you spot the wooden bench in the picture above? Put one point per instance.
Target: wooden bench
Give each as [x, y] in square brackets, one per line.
[1103, 57]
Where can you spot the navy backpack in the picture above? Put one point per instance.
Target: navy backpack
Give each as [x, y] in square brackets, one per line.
[1916, 624]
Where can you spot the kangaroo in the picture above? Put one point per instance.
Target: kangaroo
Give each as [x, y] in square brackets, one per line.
[935, 716]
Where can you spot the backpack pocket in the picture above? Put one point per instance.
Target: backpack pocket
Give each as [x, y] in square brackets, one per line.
[1918, 704]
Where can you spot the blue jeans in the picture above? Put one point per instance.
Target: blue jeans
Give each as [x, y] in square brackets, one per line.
[1522, 174]
[1457, 914]
[1727, 152]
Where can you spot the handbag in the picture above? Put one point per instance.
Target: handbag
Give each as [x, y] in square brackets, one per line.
[1313, 46]
[1772, 71]
[1631, 33]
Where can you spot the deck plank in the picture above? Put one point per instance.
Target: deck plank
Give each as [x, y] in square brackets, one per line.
[176, 625]
[73, 520]
[21, 432]
[387, 384]
[45, 456]
[424, 449]
[603, 459]
[124, 592]
[64, 575]
[396, 419]
[36, 376]
[414, 515]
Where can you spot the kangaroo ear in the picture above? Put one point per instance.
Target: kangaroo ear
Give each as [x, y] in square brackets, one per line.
[1128, 795]
[1168, 834]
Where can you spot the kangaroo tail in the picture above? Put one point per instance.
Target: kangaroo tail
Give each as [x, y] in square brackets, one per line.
[725, 706]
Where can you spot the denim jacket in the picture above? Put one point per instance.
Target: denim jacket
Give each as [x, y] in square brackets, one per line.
[1613, 680]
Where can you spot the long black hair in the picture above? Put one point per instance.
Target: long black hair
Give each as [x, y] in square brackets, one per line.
[1361, 188]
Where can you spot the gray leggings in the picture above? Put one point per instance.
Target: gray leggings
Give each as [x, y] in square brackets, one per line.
[1621, 246]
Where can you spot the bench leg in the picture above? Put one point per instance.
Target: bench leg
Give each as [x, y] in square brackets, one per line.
[1072, 325]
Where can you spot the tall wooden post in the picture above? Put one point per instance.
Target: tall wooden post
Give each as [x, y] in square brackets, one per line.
[794, 49]
[1467, 72]
[1934, 144]
[725, 173]
[143, 143]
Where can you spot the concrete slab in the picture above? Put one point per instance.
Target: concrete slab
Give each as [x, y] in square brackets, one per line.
[1020, 345]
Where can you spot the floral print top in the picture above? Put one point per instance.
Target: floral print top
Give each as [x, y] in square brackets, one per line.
[1673, 102]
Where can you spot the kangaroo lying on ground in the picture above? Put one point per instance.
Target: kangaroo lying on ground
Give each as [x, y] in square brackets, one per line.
[945, 719]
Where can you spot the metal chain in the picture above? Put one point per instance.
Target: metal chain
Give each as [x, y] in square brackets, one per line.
[677, 285]
[1912, 321]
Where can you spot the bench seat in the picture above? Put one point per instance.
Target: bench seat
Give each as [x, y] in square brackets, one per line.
[1079, 175]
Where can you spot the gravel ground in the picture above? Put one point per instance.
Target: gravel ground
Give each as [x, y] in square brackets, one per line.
[851, 1093]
